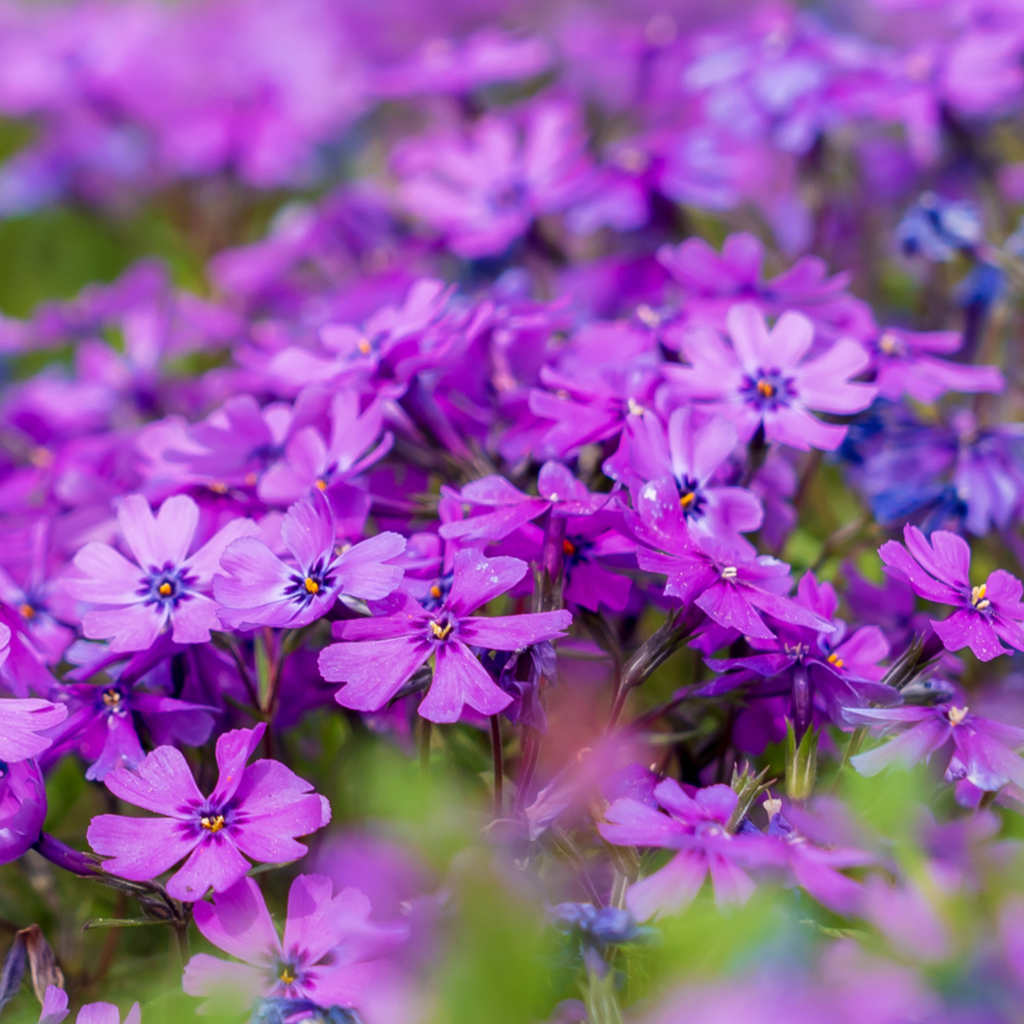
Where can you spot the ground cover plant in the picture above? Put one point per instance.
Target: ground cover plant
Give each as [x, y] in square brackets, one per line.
[510, 512]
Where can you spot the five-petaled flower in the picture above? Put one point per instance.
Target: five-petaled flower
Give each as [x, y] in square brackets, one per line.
[327, 953]
[257, 587]
[166, 587]
[378, 655]
[762, 378]
[938, 568]
[254, 811]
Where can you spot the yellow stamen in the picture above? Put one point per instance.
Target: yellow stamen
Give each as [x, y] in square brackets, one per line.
[834, 659]
[978, 598]
[635, 408]
[364, 346]
[321, 484]
[435, 591]
[957, 715]
[647, 316]
[27, 611]
[441, 632]
[111, 698]
[889, 343]
[165, 589]
[312, 586]
[286, 975]
[214, 824]
[730, 572]
[688, 499]
[765, 388]
[219, 487]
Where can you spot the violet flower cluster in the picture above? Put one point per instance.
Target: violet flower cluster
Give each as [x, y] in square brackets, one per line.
[535, 535]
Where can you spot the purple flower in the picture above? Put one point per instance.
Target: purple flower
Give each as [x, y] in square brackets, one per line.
[687, 456]
[938, 568]
[259, 588]
[906, 364]
[482, 188]
[22, 669]
[165, 588]
[761, 378]
[558, 491]
[821, 671]
[327, 952]
[379, 655]
[983, 750]
[355, 442]
[815, 864]
[55, 1009]
[22, 807]
[696, 827]
[104, 720]
[713, 283]
[254, 811]
[23, 724]
[724, 579]
[608, 375]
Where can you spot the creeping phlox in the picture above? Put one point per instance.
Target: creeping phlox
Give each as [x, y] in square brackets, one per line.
[545, 544]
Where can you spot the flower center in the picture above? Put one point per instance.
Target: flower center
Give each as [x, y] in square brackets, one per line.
[111, 697]
[302, 587]
[767, 390]
[27, 611]
[956, 715]
[635, 408]
[889, 344]
[568, 548]
[165, 585]
[730, 572]
[691, 500]
[212, 822]
[834, 660]
[441, 630]
[287, 974]
[978, 599]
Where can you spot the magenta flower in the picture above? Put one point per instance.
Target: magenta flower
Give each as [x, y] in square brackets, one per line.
[686, 456]
[22, 807]
[23, 724]
[55, 1010]
[506, 508]
[379, 655]
[165, 588]
[907, 363]
[695, 826]
[327, 952]
[483, 187]
[761, 378]
[22, 670]
[309, 460]
[983, 750]
[103, 723]
[259, 588]
[729, 583]
[938, 569]
[254, 811]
